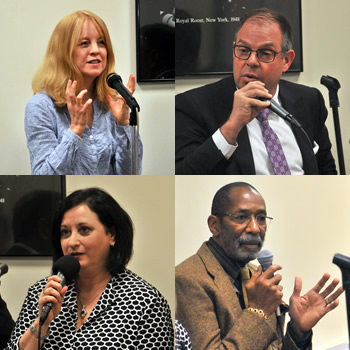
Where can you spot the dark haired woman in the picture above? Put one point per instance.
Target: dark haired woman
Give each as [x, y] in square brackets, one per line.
[108, 306]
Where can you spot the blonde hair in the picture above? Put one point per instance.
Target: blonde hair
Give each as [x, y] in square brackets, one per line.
[58, 65]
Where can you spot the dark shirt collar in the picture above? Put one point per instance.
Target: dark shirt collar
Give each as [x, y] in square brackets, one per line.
[231, 268]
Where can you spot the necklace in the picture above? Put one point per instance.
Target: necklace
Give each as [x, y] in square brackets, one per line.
[83, 311]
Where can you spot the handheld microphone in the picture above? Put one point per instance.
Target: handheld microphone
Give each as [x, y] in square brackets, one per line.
[265, 258]
[67, 268]
[115, 82]
[280, 111]
[3, 269]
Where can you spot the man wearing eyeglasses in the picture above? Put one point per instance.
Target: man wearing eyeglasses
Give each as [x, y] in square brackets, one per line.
[222, 128]
[225, 305]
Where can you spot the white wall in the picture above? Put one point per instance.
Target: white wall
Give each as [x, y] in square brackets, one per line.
[149, 200]
[311, 221]
[325, 26]
[26, 28]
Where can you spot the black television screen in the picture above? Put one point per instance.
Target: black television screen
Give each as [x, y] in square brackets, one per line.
[27, 207]
[205, 31]
[155, 40]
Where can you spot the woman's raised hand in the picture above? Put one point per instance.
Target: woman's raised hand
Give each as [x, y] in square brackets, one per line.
[78, 110]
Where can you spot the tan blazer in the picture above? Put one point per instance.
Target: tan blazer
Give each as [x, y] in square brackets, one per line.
[209, 309]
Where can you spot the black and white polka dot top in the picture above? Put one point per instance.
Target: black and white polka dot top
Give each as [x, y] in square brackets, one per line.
[130, 314]
[182, 339]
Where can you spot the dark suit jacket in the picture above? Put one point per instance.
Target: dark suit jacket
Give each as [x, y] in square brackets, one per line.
[209, 309]
[6, 324]
[200, 112]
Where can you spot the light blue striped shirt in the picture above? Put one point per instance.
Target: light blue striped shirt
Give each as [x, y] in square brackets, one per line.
[104, 149]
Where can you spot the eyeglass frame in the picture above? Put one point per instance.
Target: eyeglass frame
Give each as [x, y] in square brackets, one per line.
[257, 53]
[232, 215]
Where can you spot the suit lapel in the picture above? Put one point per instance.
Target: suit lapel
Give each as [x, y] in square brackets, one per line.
[293, 105]
[220, 278]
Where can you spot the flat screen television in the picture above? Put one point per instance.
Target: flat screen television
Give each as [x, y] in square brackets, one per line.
[155, 40]
[27, 207]
[205, 31]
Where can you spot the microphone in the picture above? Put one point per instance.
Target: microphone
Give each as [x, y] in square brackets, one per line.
[115, 82]
[265, 258]
[67, 268]
[3, 269]
[280, 111]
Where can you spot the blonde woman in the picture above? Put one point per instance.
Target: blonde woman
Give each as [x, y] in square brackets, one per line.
[74, 123]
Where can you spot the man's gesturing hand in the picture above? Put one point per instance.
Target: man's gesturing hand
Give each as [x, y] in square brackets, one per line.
[264, 291]
[305, 311]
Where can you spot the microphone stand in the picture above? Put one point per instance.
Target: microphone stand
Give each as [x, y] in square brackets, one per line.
[333, 86]
[114, 81]
[135, 108]
[343, 262]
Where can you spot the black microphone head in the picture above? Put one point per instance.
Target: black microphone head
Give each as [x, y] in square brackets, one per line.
[68, 265]
[342, 261]
[330, 82]
[265, 258]
[113, 78]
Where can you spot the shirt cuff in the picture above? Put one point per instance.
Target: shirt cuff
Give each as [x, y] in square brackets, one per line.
[303, 343]
[221, 143]
[72, 136]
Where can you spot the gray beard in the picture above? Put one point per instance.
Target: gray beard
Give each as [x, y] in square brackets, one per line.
[233, 247]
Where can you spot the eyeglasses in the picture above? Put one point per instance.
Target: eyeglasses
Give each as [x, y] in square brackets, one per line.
[245, 219]
[263, 55]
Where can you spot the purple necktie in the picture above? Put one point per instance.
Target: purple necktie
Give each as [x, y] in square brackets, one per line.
[273, 145]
